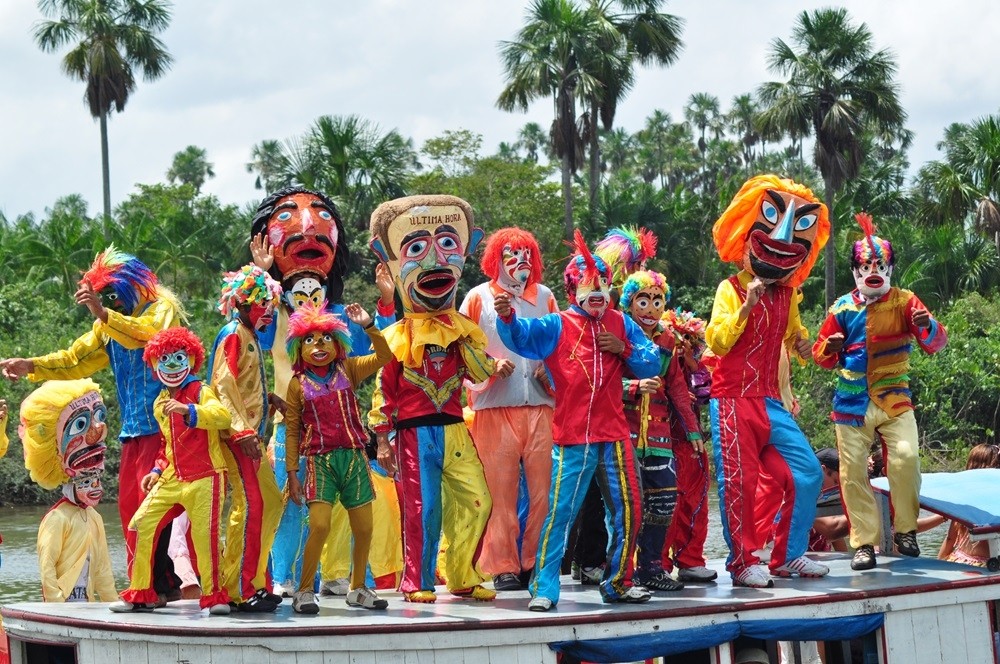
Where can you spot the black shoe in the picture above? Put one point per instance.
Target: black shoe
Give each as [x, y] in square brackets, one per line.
[506, 581]
[525, 577]
[864, 558]
[258, 603]
[270, 597]
[660, 581]
[591, 576]
[906, 543]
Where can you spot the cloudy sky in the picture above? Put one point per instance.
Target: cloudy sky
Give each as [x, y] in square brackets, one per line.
[247, 70]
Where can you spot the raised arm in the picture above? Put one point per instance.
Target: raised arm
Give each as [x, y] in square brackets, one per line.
[532, 338]
[361, 367]
[134, 331]
[85, 357]
[729, 319]
[929, 333]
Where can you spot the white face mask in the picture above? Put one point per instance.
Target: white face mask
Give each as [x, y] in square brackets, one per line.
[872, 279]
[515, 269]
[594, 298]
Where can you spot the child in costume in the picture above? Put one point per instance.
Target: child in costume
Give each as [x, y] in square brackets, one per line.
[323, 423]
[773, 229]
[586, 350]
[236, 367]
[512, 423]
[190, 472]
[129, 306]
[650, 406]
[868, 334]
[63, 428]
[425, 241]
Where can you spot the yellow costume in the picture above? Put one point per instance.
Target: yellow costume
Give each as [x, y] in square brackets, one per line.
[71, 538]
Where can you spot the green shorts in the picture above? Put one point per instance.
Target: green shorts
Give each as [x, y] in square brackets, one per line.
[339, 476]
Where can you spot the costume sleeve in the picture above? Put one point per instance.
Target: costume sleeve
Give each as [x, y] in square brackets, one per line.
[163, 421]
[384, 316]
[641, 355]
[676, 388]
[830, 327]
[795, 330]
[85, 357]
[630, 390]
[102, 577]
[472, 306]
[134, 331]
[210, 414]
[531, 338]
[725, 327]
[4, 441]
[224, 382]
[382, 416]
[360, 367]
[50, 543]
[930, 339]
[293, 424]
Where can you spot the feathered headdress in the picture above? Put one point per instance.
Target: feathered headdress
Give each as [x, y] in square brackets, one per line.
[248, 285]
[39, 423]
[640, 281]
[583, 266]
[625, 250]
[131, 280]
[870, 247]
[172, 340]
[310, 318]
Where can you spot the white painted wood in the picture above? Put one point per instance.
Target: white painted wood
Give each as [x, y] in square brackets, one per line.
[84, 652]
[337, 657]
[926, 638]
[458, 656]
[188, 653]
[381, 657]
[231, 654]
[362, 657]
[899, 637]
[312, 657]
[134, 652]
[978, 637]
[106, 652]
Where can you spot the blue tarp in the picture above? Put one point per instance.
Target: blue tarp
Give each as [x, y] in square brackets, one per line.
[970, 496]
[673, 642]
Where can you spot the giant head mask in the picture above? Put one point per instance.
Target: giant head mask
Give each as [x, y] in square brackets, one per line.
[424, 241]
[872, 260]
[774, 228]
[63, 428]
[251, 295]
[512, 259]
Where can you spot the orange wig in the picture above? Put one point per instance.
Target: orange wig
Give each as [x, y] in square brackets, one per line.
[517, 239]
[732, 228]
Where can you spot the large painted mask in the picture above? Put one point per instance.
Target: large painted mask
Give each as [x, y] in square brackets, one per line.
[872, 260]
[174, 355]
[587, 279]
[425, 240]
[774, 229]
[251, 295]
[512, 259]
[122, 280]
[304, 289]
[644, 296]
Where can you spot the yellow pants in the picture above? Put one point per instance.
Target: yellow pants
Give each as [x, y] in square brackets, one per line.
[253, 521]
[902, 463]
[386, 555]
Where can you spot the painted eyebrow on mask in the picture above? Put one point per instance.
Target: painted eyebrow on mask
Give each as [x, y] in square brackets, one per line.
[414, 235]
[778, 200]
[806, 209]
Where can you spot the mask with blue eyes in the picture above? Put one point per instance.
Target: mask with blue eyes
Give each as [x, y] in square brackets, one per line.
[781, 237]
[172, 369]
[82, 429]
[303, 233]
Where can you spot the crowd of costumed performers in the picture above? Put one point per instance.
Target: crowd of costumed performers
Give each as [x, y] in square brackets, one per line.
[507, 441]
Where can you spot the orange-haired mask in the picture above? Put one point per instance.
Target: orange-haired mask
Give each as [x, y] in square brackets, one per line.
[781, 236]
[515, 269]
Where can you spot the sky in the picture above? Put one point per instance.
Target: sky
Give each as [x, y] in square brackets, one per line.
[249, 70]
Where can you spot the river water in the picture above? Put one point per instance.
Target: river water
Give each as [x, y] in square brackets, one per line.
[19, 579]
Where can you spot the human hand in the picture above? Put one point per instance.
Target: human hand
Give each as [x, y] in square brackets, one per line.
[385, 285]
[357, 315]
[384, 454]
[834, 343]
[251, 447]
[649, 385]
[921, 318]
[16, 367]
[174, 407]
[504, 368]
[3, 410]
[802, 346]
[294, 487]
[699, 446]
[262, 252]
[88, 297]
[609, 343]
[542, 376]
[755, 289]
[276, 403]
[501, 304]
[149, 481]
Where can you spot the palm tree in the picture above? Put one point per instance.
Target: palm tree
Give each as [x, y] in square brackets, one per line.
[268, 161]
[742, 118]
[702, 111]
[618, 149]
[111, 40]
[191, 166]
[532, 139]
[847, 87]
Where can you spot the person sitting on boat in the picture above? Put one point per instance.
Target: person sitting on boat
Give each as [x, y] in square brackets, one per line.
[867, 337]
[63, 429]
[957, 547]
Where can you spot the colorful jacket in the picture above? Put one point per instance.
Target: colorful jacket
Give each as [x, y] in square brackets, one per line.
[875, 358]
[118, 343]
[239, 380]
[71, 537]
[748, 352]
[650, 416]
[191, 443]
[322, 411]
[587, 381]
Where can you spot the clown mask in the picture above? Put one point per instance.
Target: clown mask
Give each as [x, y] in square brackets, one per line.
[781, 237]
[304, 235]
[110, 299]
[872, 278]
[319, 349]
[81, 429]
[305, 289]
[85, 489]
[515, 269]
[647, 308]
[172, 369]
[257, 316]
[594, 296]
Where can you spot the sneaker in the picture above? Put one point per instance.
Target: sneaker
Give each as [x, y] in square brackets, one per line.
[752, 577]
[335, 587]
[803, 567]
[696, 574]
[506, 581]
[257, 603]
[304, 601]
[864, 558]
[591, 576]
[284, 589]
[129, 607]
[540, 604]
[421, 596]
[906, 543]
[631, 595]
[273, 598]
[478, 593]
[661, 581]
[365, 598]
[219, 609]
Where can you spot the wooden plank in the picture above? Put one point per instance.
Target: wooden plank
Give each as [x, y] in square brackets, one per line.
[84, 653]
[385, 657]
[535, 653]
[224, 654]
[190, 653]
[309, 658]
[978, 632]
[457, 656]
[362, 657]
[927, 640]
[336, 657]
[899, 637]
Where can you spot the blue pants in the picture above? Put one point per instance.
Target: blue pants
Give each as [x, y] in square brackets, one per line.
[293, 529]
[573, 466]
[659, 496]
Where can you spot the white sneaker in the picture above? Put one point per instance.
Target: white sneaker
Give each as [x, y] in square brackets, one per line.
[304, 601]
[335, 587]
[752, 577]
[804, 567]
[365, 598]
[128, 607]
[540, 604]
[219, 609]
[283, 590]
[696, 574]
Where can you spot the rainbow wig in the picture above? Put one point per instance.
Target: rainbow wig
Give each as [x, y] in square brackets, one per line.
[625, 250]
[583, 266]
[248, 285]
[310, 318]
[39, 420]
[517, 239]
[640, 281]
[172, 340]
[732, 228]
[871, 247]
[131, 280]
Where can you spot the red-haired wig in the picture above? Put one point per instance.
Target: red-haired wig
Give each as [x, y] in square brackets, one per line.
[172, 340]
[516, 238]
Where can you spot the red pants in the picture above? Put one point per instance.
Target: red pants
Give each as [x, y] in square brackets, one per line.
[685, 543]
